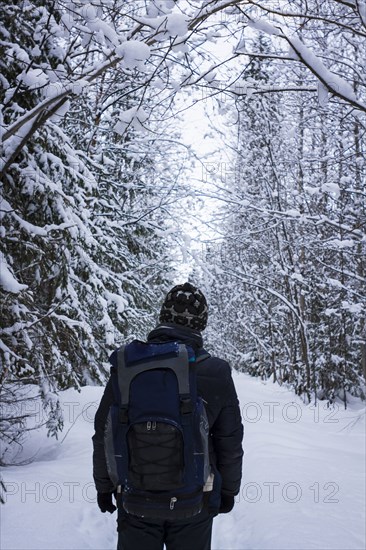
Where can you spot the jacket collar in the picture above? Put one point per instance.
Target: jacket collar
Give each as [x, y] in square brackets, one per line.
[169, 332]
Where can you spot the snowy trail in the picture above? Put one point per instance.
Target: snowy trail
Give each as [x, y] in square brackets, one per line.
[304, 475]
[303, 485]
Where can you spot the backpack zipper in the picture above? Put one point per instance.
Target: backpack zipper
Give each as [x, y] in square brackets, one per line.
[150, 426]
[173, 500]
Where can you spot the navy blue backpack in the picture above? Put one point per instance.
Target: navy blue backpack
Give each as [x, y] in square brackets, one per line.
[157, 431]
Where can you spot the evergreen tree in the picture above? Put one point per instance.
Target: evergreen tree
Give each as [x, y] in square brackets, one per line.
[82, 262]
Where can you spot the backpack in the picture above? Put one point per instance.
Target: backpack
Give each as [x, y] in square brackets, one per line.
[157, 432]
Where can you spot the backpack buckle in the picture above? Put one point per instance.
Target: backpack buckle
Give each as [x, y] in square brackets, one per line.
[186, 406]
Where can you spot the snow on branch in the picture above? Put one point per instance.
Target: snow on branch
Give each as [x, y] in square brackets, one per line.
[331, 81]
[7, 279]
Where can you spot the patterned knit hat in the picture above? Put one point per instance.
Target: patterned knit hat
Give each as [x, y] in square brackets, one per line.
[185, 305]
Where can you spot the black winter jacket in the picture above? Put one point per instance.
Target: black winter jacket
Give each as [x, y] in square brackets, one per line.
[216, 387]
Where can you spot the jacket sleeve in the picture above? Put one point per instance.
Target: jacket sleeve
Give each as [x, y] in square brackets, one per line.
[102, 480]
[227, 436]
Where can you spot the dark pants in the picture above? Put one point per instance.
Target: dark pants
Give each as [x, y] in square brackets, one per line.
[137, 534]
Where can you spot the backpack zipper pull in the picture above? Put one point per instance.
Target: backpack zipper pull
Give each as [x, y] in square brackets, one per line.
[173, 500]
[148, 426]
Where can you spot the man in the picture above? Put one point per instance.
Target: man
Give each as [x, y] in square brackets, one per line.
[182, 318]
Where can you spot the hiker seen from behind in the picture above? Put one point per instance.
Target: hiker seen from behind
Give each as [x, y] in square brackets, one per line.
[168, 433]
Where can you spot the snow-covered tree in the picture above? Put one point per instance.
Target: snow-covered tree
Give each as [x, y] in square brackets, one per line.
[291, 265]
[88, 119]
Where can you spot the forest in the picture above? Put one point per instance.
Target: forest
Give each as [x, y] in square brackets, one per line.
[105, 202]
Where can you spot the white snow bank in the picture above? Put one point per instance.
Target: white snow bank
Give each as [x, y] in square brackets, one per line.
[303, 484]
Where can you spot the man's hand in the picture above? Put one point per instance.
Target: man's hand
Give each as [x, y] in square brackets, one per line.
[227, 504]
[105, 502]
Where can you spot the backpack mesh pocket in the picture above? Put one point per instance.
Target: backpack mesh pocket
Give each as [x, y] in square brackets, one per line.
[155, 456]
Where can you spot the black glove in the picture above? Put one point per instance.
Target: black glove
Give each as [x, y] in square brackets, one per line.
[105, 502]
[227, 504]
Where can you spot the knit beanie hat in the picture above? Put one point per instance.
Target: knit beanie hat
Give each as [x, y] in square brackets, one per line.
[185, 305]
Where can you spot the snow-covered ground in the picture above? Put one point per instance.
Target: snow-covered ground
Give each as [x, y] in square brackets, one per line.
[303, 485]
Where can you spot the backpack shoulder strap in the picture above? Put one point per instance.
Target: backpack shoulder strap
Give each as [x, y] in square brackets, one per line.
[202, 356]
